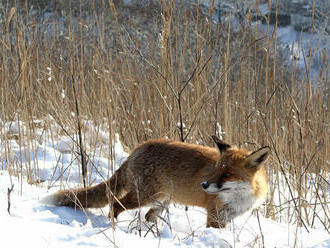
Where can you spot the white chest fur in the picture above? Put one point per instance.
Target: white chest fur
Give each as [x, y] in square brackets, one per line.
[237, 198]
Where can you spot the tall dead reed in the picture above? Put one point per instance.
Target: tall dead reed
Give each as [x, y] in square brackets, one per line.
[167, 71]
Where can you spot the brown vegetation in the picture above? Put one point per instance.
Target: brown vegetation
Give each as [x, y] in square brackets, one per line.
[168, 71]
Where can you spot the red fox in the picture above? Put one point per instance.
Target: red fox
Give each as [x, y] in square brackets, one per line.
[226, 181]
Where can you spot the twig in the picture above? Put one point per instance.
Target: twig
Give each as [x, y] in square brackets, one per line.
[77, 144]
[8, 195]
[82, 154]
[186, 82]
[262, 235]
[324, 210]
[182, 136]
[283, 172]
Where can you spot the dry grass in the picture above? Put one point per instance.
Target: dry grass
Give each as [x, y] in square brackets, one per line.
[168, 71]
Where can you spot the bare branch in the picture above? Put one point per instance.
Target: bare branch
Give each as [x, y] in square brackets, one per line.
[8, 195]
[82, 154]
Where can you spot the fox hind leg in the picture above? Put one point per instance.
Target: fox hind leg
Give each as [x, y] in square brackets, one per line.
[154, 212]
[131, 200]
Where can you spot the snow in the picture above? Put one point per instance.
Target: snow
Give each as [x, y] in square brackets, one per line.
[34, 224]
[296, 45]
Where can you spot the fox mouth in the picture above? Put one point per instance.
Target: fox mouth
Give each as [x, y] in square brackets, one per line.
[217, 191]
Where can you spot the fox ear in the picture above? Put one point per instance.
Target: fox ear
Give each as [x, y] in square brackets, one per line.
[222, 146]
[255, 159]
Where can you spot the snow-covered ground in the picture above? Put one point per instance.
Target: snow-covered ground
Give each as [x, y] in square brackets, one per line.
[34, 224]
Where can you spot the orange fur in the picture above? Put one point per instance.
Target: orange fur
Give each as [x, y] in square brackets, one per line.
[167, 171]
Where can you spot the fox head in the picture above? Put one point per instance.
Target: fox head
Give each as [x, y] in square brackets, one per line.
[237, 171]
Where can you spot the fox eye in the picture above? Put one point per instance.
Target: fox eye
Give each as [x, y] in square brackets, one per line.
[226, 175]
[223, 165]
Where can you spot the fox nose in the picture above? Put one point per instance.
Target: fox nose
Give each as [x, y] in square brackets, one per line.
[205, 185]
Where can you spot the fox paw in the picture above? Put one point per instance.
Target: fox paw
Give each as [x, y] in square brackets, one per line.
[151, 216]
